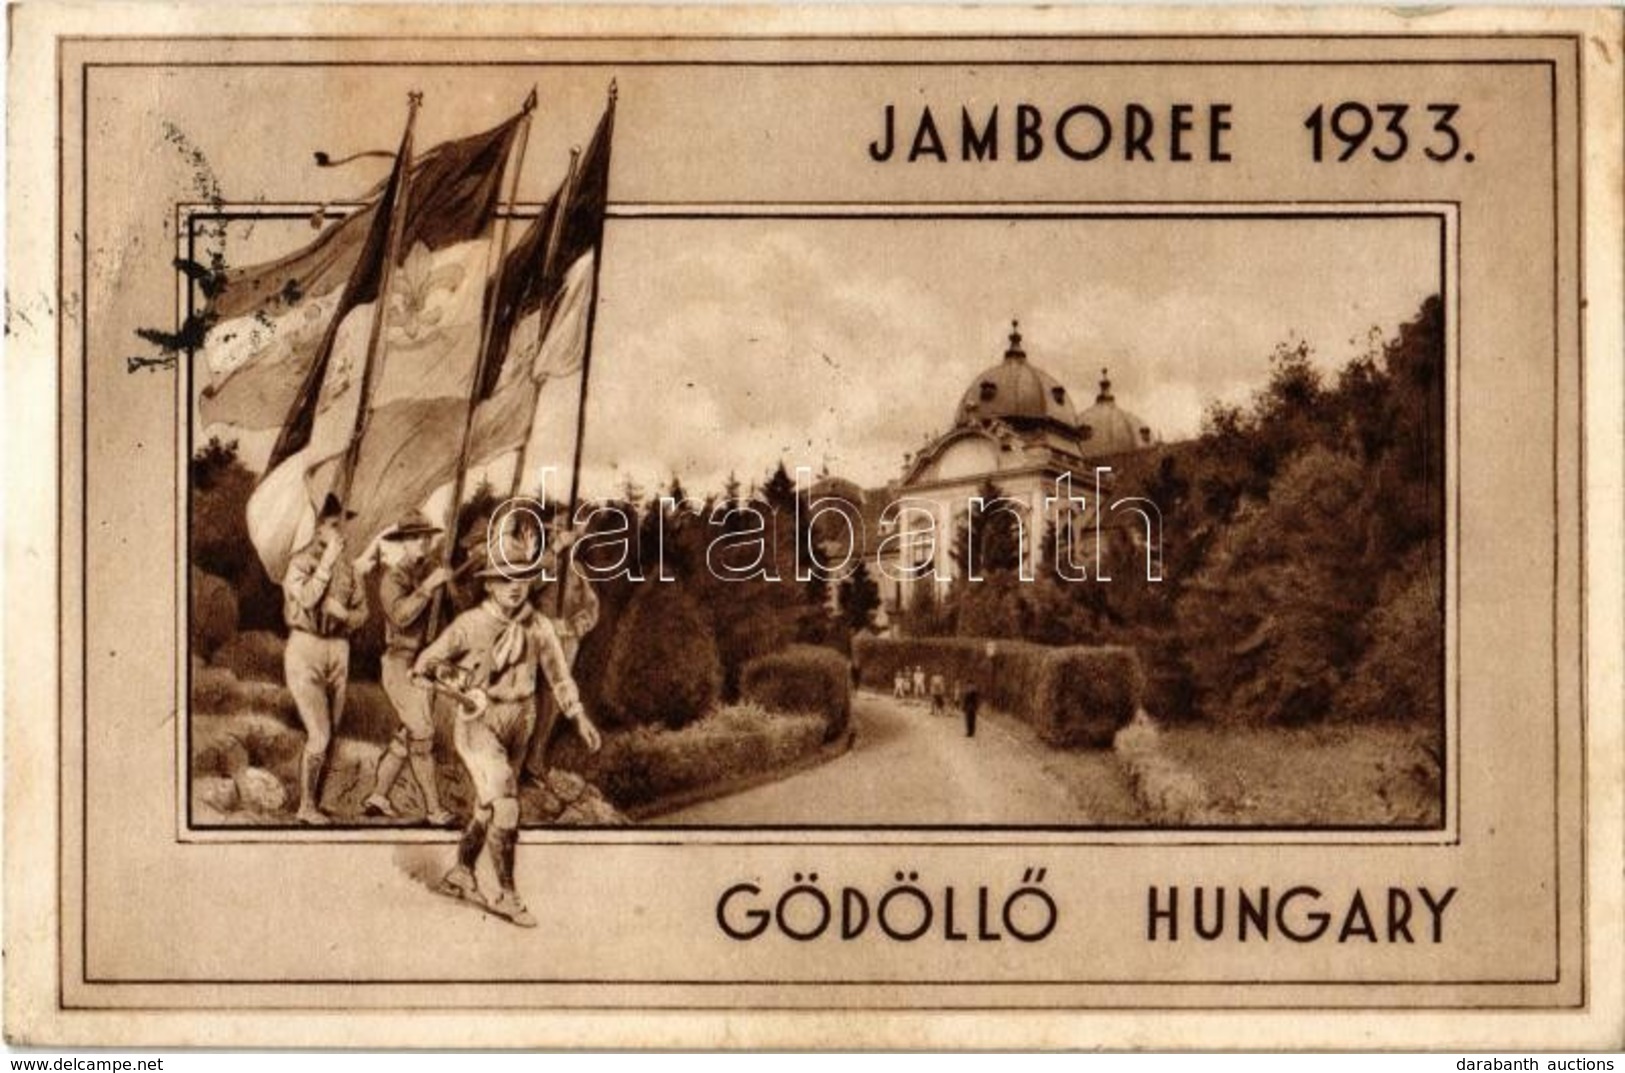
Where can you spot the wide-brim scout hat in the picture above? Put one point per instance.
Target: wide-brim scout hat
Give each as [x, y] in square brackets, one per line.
[514, 556]
[332, 508]
[414, 523]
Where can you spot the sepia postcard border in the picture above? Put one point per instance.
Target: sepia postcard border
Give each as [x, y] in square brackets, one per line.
[1596, 254]
[1010, 835]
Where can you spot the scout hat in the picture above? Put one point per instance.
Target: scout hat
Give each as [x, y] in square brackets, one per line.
[414, 523]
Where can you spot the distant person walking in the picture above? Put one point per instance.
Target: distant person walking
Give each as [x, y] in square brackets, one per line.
[899, 685]
[919, 681]
[970, 696]
[939, 695]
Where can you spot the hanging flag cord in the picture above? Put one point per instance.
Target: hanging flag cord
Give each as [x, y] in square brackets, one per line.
[586, 355]
[517, 164]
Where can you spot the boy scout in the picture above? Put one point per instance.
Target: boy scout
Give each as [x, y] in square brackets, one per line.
[572, 623]
[322, 602]
[489, 657]
[405, 592]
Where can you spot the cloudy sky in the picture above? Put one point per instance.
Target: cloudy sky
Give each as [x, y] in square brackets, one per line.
[723, 345]
[727, 344]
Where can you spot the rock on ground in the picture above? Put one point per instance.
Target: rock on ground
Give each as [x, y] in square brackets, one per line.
[563, 798]
[219, 792]
[260, 791]
[245, 767]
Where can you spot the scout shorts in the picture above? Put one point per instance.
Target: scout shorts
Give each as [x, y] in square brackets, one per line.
[492, 746]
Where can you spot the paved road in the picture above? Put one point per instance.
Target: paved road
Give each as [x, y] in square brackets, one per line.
[910, 767]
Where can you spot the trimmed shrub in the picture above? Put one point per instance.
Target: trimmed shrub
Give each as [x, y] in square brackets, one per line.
[664, 666]
[216, 691]
[802, 678]
[1071, 696]
[641, 766]
[1170, 795]
[1082, 696]
[368, 715]
[254, 656]
[213, 619]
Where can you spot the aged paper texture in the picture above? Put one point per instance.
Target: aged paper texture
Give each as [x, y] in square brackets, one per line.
[796, 527]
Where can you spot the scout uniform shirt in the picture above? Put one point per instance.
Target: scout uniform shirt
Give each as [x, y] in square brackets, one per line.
[406, 606]
[307, 586]
[501, 655]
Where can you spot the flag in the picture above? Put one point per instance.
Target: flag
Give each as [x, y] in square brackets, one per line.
[527, 291]
[266, 323]
[414, 437]
[413, 441]
[427, 339]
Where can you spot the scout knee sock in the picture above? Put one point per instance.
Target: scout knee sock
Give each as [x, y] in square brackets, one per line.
[501, 837]
[310, 782]
[502, 840]
[468, 847]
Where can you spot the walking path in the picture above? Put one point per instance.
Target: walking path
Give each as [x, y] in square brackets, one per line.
[909, 767]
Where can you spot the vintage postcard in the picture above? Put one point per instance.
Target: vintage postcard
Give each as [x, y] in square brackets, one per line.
[808, 527]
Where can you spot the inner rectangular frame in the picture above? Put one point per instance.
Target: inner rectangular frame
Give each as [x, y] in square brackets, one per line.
[1447, 214]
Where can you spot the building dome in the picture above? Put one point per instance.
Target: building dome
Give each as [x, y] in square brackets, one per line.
[1017, 391]
[1107, 430]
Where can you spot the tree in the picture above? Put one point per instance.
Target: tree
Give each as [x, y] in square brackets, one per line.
[859, 598]
[925, 614]
[994, 530]
[663, 666]
[780, 490]
[990, 608]
[218, 531]
[1273, 619]
[1398, 676]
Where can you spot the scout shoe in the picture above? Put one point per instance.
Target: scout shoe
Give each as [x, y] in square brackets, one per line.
[439, 818]
[311, 816]
[460, 883]
[378, 805]
[508, 905]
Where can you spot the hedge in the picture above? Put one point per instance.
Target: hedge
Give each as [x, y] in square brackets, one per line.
[663, 667]
[641, 766]
[802, 678]
[253, 656]
[1071, 696]
[213, 620]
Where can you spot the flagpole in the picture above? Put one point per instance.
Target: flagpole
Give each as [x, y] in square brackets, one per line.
[550, 254]
[586, 355]
[517, 163]
[375, 337]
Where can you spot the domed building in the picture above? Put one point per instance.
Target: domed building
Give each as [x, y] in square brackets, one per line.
[1018, 427]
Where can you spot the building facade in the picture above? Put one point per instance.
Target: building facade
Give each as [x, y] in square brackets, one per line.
[1018, 429]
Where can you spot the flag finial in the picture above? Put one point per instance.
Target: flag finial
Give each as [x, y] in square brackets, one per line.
[614, 90]
[530, 101]
[414, 99]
